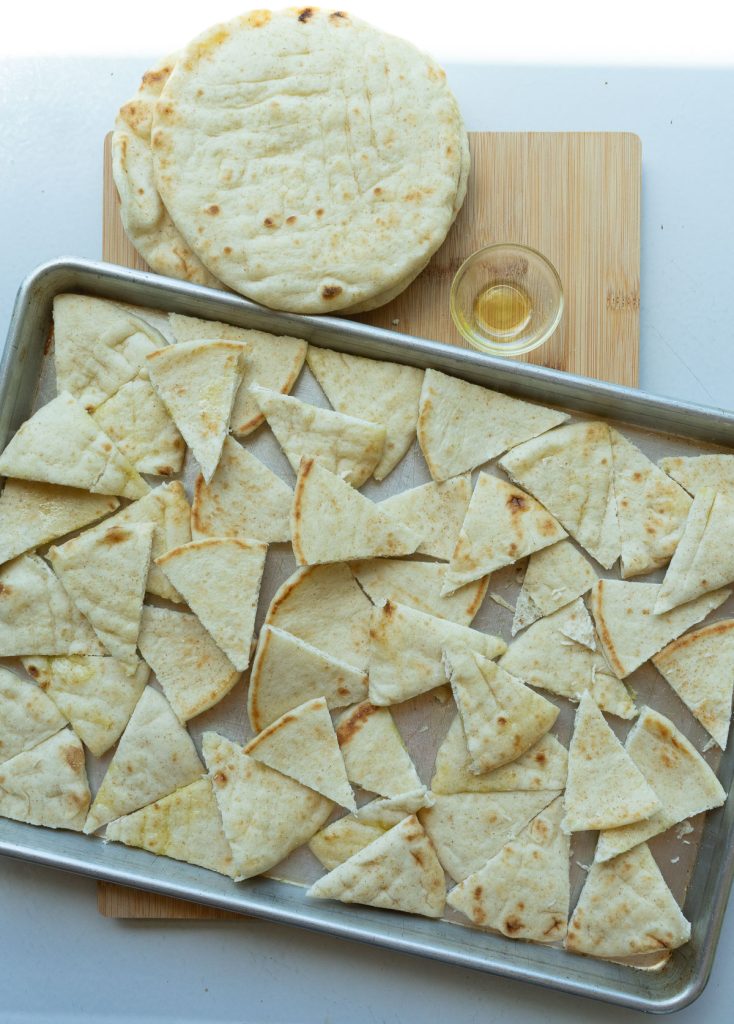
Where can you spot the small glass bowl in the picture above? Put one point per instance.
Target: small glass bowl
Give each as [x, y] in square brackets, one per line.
[506, 299]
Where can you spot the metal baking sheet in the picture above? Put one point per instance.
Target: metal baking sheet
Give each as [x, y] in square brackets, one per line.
[698, 866]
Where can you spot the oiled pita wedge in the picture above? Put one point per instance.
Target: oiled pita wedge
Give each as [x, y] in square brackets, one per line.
[651, 509]
[693, 472]
[406, 651]
[628, 629]
[700, 668]
[625, 909]
[570, 471]
[154, 757]
[418, 585]
[501, 525]
[374, 753]
[32, 514]
[265, 815]
[27, 715]
[349, 447]
[197, 382]
[302, 744]
[374, 390]
[186, 826]
[331, 522]
[220, 581]
[47, 785]
[96, 694]
[555, 576]
[272, 360]
[435, 511]
[287, 671]
[524, 890]
[605, 789]
[104, 573]
[462, 425]
[98, 347]
[193, 672]
[62, 444]
[243, 499]
[397, 871]
[137, 421]
[683, 782]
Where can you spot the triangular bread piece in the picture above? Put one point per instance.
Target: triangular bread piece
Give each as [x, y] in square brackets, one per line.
[62, 444]
[578, 625]
[683, 782]
[97, 694]
[570, 471]
[418, 585]
[605, 789]
[265, 815]
[700, 668]
[154, 757]
[193, 672]
[197, 382]
[287, 671]
[302, 744]
[524, 890]
[435, 511]
[186, 826]
[331, 522]
[272, 360]
[137, 421]
[374, 752]
[502, 718]
[651, 509]
[501, 525]
[398, 871]
[104, 573]
[47, 785]
[32, 514]
[462, 425]
[406, 652]
[27, 715]
[626, 909]
[243, 499]
[375, 390]
[693, 472]
[555, 576]
[349, 447]
[628, 629]
[220, 581]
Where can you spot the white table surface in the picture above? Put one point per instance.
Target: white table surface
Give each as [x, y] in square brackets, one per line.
[61, 960]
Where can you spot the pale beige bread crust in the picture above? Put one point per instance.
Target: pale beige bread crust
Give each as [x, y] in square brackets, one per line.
[374, 752]
[418, 585]
[555, 576]
[693, 472]
[27, 715]
[436, 511]
[47, 785]
[137, 421]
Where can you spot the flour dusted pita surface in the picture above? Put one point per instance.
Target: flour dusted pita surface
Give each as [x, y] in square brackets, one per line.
[186, 825]
[630, 631]
[418, 585]
[406, 652]
[374, 752]
[462, 425]
[605, 788]
[154, 757]
[243, 499]
[27, 715]
[265, 815]
[693, 472]
[625, 909]
[62, 444]
[435, 511]
[524, 890]
[137, 421]
[555, 576]
[47, 785]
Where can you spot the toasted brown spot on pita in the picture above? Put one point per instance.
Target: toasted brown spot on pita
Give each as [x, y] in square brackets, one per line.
[330, 291]
[637, 475]
[269, 222]
[351, 726]
[338, 15]
[220, 778]
[151, 77]
[305, 15]
[213, 209]
[5, 589]
[415, 854]
[540, 757]
[106, 446]
[116, 535]
[227, 250]
[258, 18]
[516, 503]
[547, 527]
[320, 212]
[74, 757]
[557, 923]
[292, 219]
[513, 924]
[501, 720]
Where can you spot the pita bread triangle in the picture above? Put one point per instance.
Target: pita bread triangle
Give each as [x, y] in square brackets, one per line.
[61, 444]
[273, 361]
[374, 390]
[501, 717]
[462, 425]
[302, 744]
[265, 815]
[501, 525]
[524, 890]
[694, 472]
[570, 471]
[625, 909]
[398, 871]
[197, 382]
[418, 585]
[154, 757]
[137, 421]
[683, 782]
[435, 511]
[104, 573]
[47, 785]
[331, 522]
[186, 825]
[374, 753]
[605, 789]
[27, 715]
[555, 576]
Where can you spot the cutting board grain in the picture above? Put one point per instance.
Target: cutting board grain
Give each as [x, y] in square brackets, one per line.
[574, 196]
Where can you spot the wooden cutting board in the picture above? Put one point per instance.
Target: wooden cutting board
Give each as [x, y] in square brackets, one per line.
[574, 196]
